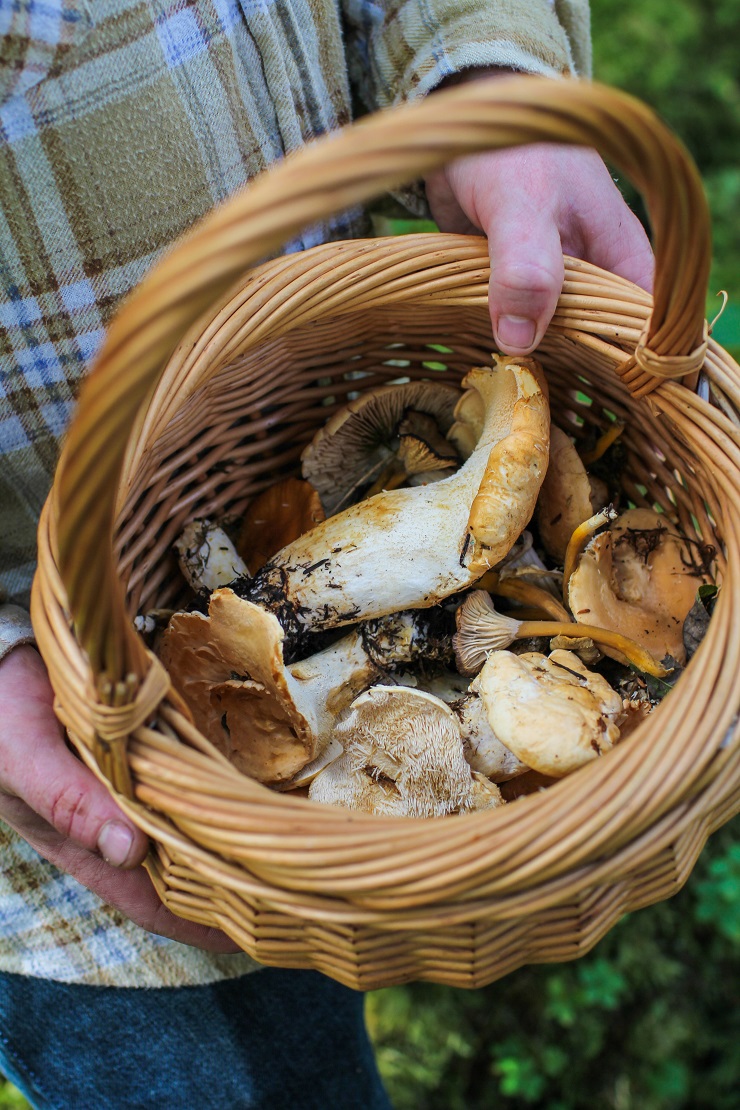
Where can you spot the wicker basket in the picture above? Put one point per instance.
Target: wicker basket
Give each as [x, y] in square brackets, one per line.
[373, 901]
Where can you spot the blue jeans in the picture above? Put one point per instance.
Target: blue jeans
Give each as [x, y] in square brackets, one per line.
[273, 1040]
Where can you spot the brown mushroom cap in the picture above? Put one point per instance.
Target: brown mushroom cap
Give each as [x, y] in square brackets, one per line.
[552, 713]
[252, 722]
[566, 495]
[276, 517]
[361, 439]
[638, 578]
[269, 719]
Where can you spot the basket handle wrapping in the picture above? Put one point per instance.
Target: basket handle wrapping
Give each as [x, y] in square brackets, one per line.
[346, 168]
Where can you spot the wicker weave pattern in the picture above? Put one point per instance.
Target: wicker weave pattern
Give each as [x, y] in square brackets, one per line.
[378, 900]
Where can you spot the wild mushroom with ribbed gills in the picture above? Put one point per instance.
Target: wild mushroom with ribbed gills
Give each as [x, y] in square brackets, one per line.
[389, 433]
[551, 712]
[403, 756]
[482, 630]
[410, 548]
[639, 577]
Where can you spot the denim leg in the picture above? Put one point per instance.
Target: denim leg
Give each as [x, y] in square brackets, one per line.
[273, 1040]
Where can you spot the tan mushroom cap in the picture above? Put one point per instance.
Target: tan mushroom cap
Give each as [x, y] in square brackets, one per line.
[360, 441]
[276, 517]
[638, 578]
[552, 713]
[403, 755]
[269, 719]
[566, 497]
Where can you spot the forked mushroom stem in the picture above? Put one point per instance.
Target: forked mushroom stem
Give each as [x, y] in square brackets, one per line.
[481, 629]
[580, 538]
[518, 589]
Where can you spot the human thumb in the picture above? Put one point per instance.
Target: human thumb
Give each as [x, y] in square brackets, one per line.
[526, 276]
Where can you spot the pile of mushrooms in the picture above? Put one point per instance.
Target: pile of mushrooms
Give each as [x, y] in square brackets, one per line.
[343, 639]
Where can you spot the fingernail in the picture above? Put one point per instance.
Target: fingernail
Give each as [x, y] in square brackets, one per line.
[515, 331]
[115, 842]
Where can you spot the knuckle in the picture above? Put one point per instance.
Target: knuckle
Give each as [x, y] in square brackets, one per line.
[528, 279]
[70, 814]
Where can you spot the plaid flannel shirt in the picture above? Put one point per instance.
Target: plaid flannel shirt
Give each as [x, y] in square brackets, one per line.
[122, 122]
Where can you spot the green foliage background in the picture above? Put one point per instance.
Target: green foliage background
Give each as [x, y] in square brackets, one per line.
[650, 1019]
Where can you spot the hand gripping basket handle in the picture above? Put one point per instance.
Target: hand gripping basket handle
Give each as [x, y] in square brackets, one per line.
[344, 169]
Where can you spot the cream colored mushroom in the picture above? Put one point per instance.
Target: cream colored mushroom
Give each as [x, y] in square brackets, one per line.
[569, 495]
[410, 548]
[638, 577]
[387, 434]
[552, 713]
[403, 756]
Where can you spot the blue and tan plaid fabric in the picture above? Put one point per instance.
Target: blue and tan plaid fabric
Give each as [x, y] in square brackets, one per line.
[121, 123]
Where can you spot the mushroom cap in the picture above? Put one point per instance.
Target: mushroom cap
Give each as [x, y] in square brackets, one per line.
[566, 495]
[407, 743]
[637, 578]
[269, 719]
[276, 517]
[229, 668]
[361, 439]
[552, 713]
[517, 463]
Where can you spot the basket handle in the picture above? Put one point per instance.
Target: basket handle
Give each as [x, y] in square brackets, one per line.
[343, 169]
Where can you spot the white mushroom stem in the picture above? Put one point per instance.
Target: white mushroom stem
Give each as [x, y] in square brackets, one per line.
[207, 556]
[482, 630]
[410, 548]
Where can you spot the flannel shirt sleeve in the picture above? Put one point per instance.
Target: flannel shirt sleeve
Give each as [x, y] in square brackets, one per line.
[402, 49]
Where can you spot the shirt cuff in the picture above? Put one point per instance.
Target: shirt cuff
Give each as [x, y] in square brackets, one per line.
[15, 628]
